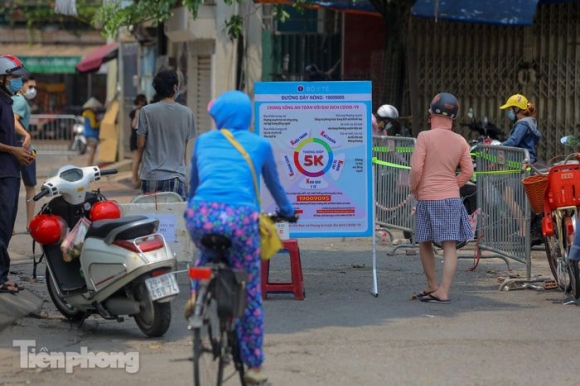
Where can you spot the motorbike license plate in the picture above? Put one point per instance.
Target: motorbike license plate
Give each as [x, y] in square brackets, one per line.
[162, 286]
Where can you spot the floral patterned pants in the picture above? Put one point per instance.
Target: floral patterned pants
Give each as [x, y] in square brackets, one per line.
[239, 224]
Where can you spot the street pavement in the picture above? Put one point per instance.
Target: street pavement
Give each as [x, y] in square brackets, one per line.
[340, 334]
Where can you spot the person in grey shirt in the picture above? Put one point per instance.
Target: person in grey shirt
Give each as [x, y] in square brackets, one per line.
[163, 130]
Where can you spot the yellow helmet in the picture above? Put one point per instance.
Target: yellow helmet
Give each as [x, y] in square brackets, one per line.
[517, 100]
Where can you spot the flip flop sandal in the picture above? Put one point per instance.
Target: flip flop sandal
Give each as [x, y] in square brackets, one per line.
[433, 299]
[422, 294]
[13, 284]
[6, 289]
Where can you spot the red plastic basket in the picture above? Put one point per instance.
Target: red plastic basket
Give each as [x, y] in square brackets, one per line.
[563, 186]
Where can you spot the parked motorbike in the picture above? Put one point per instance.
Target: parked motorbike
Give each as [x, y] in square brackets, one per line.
[124, 267]
[554, 191]
[486, 130]
[79, 141]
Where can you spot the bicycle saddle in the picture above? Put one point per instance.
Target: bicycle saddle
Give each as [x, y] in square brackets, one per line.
[216, 242]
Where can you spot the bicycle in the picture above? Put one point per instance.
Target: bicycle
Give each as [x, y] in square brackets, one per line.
[556, 194]
[220, 300]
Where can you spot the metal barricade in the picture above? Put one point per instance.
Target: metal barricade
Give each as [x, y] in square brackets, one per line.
[52, 133]
[504, 213]
[393, 199]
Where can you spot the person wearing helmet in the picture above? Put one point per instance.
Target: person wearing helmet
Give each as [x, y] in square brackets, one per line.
[11, 157]
[440, 213]
[92, 124]
[524, 133]
[387, 120]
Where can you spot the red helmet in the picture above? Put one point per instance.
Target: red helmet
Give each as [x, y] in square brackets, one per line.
[11, 65]
[47, 229]
[105, 210]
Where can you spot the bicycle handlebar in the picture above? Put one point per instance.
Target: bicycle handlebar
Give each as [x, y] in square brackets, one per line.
[526, 164]
[277, 217]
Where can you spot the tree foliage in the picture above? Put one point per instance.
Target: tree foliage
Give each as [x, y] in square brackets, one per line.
[116, 14]
[38, 13]
[110, 15]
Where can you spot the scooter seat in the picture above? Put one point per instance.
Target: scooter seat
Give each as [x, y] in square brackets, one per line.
[101, 228]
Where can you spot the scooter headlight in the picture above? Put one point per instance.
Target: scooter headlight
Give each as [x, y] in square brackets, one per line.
[78, 129]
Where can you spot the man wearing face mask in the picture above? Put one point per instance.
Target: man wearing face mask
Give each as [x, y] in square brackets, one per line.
[21, 111]
[163, 130]
[11, 157]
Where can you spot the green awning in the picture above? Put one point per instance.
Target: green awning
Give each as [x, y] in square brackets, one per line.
[51, 64]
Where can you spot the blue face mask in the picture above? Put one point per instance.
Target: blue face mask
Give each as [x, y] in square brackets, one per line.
[15, 85]
[511, 115]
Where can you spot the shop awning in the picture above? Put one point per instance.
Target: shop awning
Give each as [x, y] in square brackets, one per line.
[350, 6]
[504, 12]
[48, 58]
[93, 61]
[509, 12]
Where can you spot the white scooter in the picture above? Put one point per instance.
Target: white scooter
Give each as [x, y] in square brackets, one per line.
[125, 267]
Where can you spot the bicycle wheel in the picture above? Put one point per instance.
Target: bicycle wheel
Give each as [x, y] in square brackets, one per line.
[208, 361]
[236, 355]
[573, 265]
[555, 252]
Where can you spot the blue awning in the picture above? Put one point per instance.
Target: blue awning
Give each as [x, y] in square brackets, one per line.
[507, 12]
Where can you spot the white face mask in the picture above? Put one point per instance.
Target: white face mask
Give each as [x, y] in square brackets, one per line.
[30, 93]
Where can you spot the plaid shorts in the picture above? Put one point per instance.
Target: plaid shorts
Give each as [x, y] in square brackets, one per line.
[442, 220]
[173, 185]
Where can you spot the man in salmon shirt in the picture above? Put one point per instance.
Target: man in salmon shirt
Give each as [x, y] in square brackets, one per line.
[440, 215]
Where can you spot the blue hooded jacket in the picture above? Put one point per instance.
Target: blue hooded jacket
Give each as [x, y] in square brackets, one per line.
[219, 173]
[525, 135]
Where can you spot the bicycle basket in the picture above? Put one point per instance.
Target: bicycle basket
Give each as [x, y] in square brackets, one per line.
[535, 187]
[563, 186]
[231, 292]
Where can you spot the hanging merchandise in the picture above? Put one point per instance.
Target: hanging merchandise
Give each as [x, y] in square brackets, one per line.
[66, 7]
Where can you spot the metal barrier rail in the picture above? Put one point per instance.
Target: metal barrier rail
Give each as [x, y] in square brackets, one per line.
[393, 199]
[503, 224]
[52, 133]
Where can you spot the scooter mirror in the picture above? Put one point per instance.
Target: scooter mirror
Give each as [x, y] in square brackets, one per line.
[470, 113]
[570, 140]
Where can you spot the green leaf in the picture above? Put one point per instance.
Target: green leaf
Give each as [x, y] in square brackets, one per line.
[234, 26]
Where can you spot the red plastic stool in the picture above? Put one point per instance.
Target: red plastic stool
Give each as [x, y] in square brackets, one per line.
[297, 284]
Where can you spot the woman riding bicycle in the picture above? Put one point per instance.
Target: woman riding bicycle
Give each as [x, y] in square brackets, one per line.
[222, 200]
